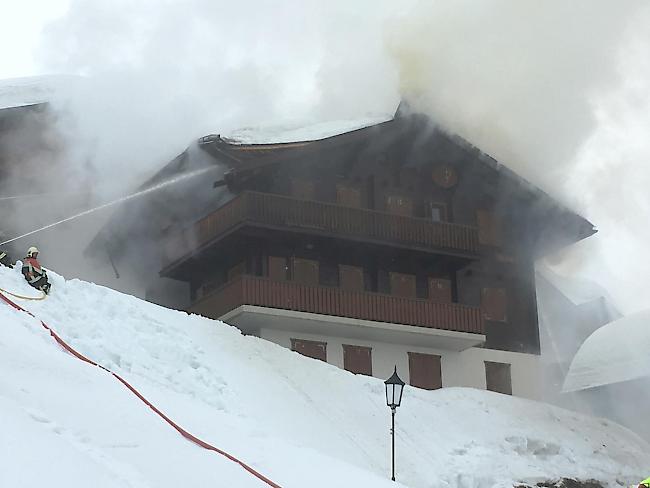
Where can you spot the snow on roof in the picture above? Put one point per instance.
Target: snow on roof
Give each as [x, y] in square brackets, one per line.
[614, 353]
[19, 92]
[294, 132]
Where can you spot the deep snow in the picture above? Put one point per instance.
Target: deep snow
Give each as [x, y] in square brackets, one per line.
[299, 421]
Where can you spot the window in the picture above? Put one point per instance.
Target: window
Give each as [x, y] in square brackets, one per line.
[436, 212]
[357, 359]
[302, 189]
[351, 278]
[488, 228]
[399, 205]
[403, 285]
[440, 290]
[498, 378]
[278, 268]
[425, 371]
[311, 349]
[305, 271]
[348, 196]
[494, 304]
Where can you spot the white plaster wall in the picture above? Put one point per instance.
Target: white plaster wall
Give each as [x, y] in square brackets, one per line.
[464, 368]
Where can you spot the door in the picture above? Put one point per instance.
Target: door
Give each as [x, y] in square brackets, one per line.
[497, 377]
[494, 304]
[311, 349]
[425, 371]
[305, 271]
[440, 290]
[351, 278]
[357, 359]
[402, 285]
[277, 268]
[348, 196]
[399, 205]
[488, 228]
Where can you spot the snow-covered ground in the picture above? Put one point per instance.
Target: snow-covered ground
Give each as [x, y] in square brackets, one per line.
[299, 421]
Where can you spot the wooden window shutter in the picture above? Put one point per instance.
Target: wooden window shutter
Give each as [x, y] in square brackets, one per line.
[494, 304]
[357, 359]
[498, 377]
[237, 270]
[311, 349]
[425, 371]
[302, 189]
[488, 228]
[305, 271]
[403, 285]
[348, 196]
[399, 205]
[351, 278]
[277, 268]
[440, 290]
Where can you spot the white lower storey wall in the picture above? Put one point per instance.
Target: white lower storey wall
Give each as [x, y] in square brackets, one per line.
[465, 368]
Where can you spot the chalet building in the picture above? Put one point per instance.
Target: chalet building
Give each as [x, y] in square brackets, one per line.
[391, 244]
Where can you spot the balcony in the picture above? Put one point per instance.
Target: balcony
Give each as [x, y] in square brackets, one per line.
[279, 212]
[253, 302]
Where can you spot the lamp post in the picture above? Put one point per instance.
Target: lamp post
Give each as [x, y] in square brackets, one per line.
[394, 388]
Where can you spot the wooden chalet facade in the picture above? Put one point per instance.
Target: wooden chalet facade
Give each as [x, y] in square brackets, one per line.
[390, 244]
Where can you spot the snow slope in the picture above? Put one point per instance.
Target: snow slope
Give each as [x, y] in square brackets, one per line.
[298, 421]
[614, 353]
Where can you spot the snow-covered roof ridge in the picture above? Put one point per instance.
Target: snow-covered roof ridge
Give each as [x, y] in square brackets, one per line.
[293, 132]
[31, 90]
[614, 353]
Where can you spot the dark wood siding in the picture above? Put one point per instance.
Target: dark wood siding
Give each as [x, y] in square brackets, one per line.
[277, 268]
[305, 271]
[357, 359]
[351, 278]
[311, 349]
[440, 290]
[494, 304]
[498, 378]
[302, 189]
[425, 371]
[402, 285]
[237, 270]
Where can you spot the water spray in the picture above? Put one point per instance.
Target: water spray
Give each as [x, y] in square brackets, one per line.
[156, 187]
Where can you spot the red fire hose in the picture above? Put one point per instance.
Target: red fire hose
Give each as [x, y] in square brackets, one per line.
[190, 437]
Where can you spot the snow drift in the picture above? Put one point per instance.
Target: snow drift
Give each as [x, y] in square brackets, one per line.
[300, 422]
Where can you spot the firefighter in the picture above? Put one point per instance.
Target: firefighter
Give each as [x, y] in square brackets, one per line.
[35, 275]
[5, 260]
[645, 483]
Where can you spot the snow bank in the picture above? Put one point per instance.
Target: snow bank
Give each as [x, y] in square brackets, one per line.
[300, 133]
[299, 421]
[614, 353]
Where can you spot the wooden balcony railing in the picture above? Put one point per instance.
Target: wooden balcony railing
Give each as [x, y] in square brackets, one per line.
[251, 290]
[285, 212]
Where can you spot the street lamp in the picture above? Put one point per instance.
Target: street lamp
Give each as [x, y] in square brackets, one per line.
[394, 388]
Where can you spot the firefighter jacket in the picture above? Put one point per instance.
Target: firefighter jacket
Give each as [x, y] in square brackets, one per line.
[32, 270]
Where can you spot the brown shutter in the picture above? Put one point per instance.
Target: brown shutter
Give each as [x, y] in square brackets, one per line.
[488, 228]
[425, 371]
[305, 271]
[351, 278]
[277, 268]
[440, 290]
[348, 196]
[402, 285]
[497, 377]
[399, 205]
[494, 304]
[237, 270]
[302, 189]
[311, 349]
[357, 359]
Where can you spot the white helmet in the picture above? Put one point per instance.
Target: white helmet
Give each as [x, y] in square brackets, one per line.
[31, 252]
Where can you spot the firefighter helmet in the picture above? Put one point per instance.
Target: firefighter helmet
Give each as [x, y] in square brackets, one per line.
[32, 252]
